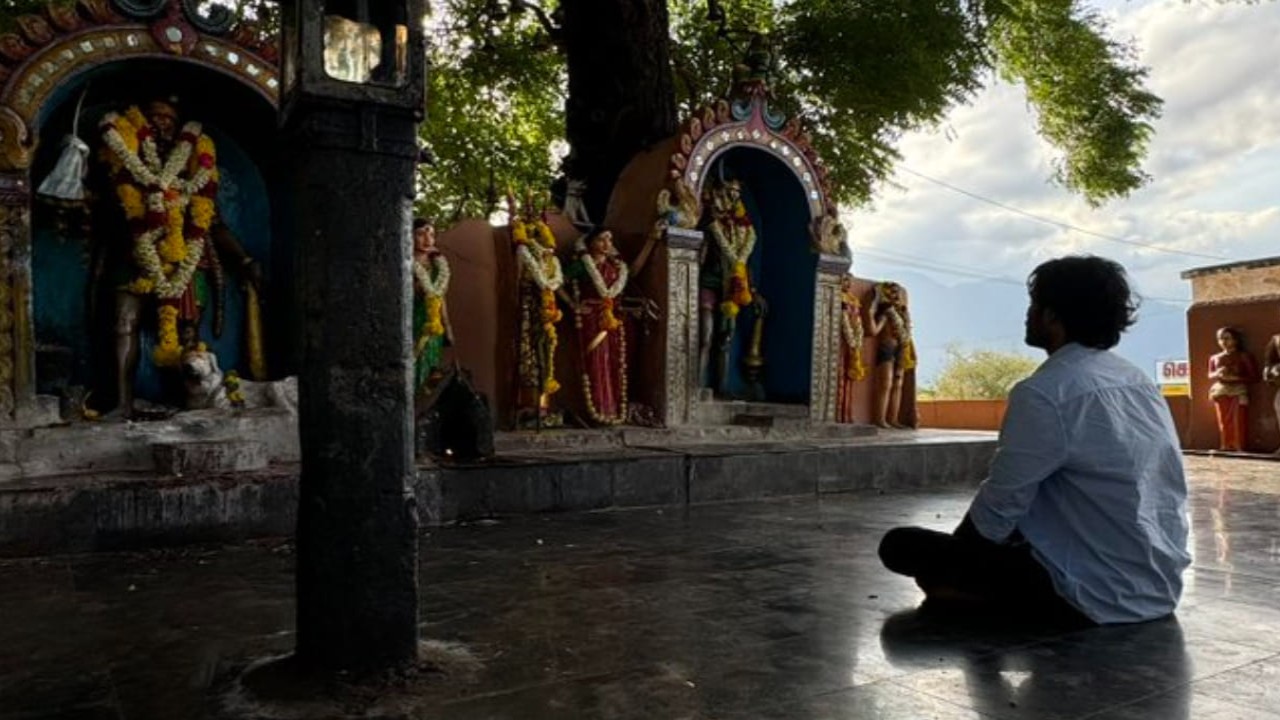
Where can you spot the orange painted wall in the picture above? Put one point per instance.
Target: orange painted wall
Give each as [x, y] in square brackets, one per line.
[961, 414]
[989, 414]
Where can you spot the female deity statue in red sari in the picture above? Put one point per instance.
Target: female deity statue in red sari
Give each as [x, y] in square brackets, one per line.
[1231, 371]
[597, 278]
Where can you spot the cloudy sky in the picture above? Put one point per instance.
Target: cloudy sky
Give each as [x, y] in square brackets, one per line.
[1215, 162]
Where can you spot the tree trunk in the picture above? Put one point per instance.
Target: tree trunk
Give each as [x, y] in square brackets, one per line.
[621, 95]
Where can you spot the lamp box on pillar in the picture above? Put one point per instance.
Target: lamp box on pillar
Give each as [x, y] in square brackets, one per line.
[352, 98]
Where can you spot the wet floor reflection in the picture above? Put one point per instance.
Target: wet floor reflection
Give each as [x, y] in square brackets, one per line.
[762, 611]
[1071, 675]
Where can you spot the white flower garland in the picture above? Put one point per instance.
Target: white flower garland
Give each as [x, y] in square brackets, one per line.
[439, 286]
[537, 268]
[736, 250]
[172, 286]
[901, 326]
[157, 177]
[608, 292]
[149, 171]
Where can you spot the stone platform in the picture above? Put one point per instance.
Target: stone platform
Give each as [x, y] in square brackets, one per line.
[552, 472]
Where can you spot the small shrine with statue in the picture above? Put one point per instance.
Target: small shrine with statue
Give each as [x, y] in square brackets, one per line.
[143, 269]
[715, 290]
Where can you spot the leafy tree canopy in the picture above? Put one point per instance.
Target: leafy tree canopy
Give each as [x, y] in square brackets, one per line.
[980, 374]
[862, 72]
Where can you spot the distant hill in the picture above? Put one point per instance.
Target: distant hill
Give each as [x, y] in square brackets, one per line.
[991, 315]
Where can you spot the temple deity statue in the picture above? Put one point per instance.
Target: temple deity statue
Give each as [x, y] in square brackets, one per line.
[163, 174]
[1232, 371]
[540, 280]
[725, 285]
[895, 352]
[852, 334]
[1271, 374]
[431, 329]
[597, 278]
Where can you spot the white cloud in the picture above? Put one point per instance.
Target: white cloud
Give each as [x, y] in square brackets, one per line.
[1215, 160]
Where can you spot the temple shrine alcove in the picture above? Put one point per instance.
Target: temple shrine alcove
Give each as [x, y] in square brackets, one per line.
[746, 214]
[62, 74]
[241, 126]
[784, 270]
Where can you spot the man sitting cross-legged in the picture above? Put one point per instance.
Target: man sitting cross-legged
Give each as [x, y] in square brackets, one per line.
[1083, 515]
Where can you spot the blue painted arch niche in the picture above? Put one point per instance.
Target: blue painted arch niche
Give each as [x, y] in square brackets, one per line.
[784, 269]
[76, 349]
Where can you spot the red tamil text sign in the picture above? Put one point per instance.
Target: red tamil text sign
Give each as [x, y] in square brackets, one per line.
[1174, 376]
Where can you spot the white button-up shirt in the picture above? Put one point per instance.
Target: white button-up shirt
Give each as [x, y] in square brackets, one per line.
[1090, 472]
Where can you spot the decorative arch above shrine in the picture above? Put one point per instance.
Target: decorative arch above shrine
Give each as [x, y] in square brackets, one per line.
[68, 38]
[748, 122]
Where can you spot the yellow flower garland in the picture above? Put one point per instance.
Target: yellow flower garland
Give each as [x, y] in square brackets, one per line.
[173, 248]
[608, 321]
[741, 288]
[435, 316]
[168, 351]
[855, 369]
[130, 200]
[550, 316]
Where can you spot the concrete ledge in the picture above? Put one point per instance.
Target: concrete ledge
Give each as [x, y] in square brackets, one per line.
[213, 456]
[86, 513]
[130, 511]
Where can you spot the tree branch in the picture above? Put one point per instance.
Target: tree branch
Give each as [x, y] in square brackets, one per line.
[552, 30]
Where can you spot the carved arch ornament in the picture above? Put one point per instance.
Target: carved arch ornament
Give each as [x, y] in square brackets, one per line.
[46, 50]
[713, 130]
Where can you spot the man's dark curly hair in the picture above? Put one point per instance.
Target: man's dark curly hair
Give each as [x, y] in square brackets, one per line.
[1089, 295]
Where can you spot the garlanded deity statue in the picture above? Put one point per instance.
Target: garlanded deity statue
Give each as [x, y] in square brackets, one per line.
[1271, 373]
[1232, 371]
[725, 280]
[852, 334]
[597, 278]
[895, 352]
[431, 329]
[164, 174]
[540, 279]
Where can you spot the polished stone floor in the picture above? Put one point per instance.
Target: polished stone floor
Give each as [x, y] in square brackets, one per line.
[753, 610]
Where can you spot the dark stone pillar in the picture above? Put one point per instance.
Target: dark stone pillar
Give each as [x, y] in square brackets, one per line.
[353, 183]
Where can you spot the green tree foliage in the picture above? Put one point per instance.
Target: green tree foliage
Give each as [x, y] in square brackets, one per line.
[495, 107]
[980, 374]
[862, 73]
